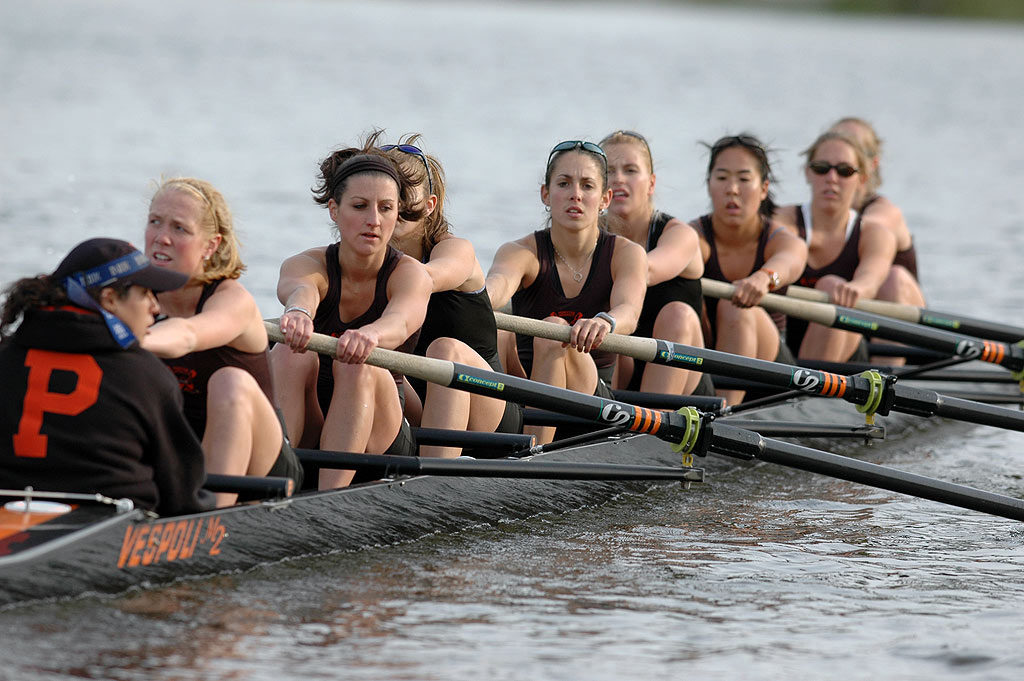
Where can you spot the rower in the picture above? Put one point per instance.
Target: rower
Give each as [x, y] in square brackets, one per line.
[367, 294]
[901, 285]
[213, 338]
[672, 304]
[459, 325]
[571, 273]
[740, 243]
[83, 407]
[849, 255]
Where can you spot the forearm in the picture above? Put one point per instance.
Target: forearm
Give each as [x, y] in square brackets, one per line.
[173, 337]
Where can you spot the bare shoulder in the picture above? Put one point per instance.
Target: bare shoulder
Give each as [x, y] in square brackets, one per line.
[786, 217]
[453, 246]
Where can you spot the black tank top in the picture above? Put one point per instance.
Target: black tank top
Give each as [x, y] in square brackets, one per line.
[713, 270]
[194, 370]
[844, 265]
[326, 320]
[463, 315]
[658, 296]
[906, 258]
[546, 298]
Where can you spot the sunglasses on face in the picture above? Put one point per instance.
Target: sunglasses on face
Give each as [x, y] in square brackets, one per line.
[823, 168]
[578, 144]
[414, 151]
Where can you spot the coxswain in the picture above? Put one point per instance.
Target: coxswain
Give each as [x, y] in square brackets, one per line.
[83, 407]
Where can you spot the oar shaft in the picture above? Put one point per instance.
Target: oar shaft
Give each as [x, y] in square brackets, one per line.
[834, 316]
[744, 444]
[535, 470]
[668, 426]
[851, 388]
[958, 323]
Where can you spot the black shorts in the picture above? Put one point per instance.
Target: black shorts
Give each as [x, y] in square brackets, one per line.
[287, 465]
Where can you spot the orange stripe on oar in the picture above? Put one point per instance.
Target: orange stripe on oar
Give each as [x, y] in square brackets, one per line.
[842, 386]
[828, 384]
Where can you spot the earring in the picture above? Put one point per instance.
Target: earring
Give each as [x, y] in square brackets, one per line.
[547, 209]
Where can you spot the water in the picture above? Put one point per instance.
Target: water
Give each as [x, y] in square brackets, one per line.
[761, 574]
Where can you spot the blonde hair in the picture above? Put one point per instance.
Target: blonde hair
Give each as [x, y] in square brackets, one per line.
[858, 150]
[226, 261]
[869, 141]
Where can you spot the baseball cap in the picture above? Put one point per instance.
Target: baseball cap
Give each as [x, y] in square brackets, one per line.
[101, 262]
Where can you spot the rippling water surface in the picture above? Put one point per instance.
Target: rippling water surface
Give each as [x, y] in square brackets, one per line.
[761, 573]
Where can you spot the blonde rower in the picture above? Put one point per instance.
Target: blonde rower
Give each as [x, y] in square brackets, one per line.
[672, 304]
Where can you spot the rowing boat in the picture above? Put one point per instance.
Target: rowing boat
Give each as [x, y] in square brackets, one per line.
[101, 547]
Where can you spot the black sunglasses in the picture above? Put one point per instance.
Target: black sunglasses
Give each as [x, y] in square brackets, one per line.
[415, 151]
[568, 145]
[823, 168]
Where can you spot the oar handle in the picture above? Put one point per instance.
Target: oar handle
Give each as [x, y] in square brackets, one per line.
[847, 319]
[645, 349]
[907, 313]
[821, 313]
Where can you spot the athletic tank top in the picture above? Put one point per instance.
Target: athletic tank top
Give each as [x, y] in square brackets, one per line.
[194, 370]
[463, 315]
[907, 258]
[659, 295]
[546, 298]
[844, 265]
[326, 320]
[713, 270]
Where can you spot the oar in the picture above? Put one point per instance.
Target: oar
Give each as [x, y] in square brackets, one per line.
[871, 392]
[834, 316]
[689, 429]
[388, 466]
[252, 486]
[919, 315]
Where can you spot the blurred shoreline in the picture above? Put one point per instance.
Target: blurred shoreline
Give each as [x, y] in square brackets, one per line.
[998, 10]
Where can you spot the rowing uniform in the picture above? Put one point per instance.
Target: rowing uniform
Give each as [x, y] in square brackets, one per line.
[906, 258]
[466, 316]
[678, 288]
[844, 265]
[713, 270]
[81, 414]
[326, 320]
[195, 369]
[546, 298]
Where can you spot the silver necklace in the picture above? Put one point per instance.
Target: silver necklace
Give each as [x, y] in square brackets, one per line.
[577, 274]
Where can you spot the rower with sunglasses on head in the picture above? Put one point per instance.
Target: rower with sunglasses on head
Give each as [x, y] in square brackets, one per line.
[459, 324]
[742, 244]
[367, 294]
[672, 305]
[83, 407]
[848, 257]
[571, 273]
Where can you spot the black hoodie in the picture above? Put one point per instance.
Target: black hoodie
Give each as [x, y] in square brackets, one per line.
[80, 414]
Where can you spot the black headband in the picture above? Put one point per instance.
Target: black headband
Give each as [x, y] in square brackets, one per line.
[364, 163]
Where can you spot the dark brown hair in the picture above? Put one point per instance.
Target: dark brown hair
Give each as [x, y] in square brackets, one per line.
[760, 153]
